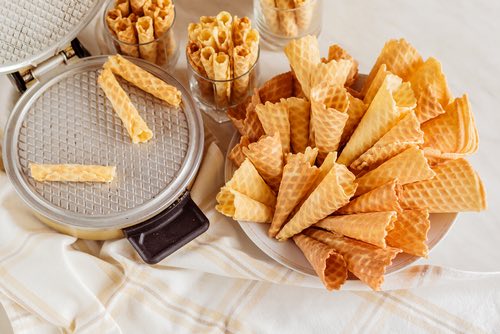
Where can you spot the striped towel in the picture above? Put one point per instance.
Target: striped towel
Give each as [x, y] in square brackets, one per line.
[219, 283]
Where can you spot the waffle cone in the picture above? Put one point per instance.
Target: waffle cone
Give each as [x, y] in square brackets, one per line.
[410, 232]
[456, 187]
[207, 54]
[113, 16]
[298, 115]
[428, 106]
[242, 208]
[405, 97]
[365, 261]
[149, 8]
[310, 154]
[297, 88]
[144, 80]
[371, 227]
[380, 117]
[298, 175]
[329, 104]
[392, 84]
[277, 88]
[408, 166]
[288, 26]
[193, 52]
[333, 72]
[252, 125]
[336, 52]
[270, 15]
[241, 65]
[303, 14]
[454, 131]
[400, 57]
[222, 71]
[274, 117]
[267, 157]
[383, 198]
[134, 124]
[356, 111]
[303, 55]
[247, 181]
[123, 6]
[252, 40]
[145, 33]
[236, 155]
[238, 114]
[430, 74]
[328, 264]
[223, 39]
[334, 191]
[403, 135]
[125, 33]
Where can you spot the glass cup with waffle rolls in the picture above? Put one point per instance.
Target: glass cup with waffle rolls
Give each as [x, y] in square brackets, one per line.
[350, 171]
[280, 21]
[222, 55]
[142, 29]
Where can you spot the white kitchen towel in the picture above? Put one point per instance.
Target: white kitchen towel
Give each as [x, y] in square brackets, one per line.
[219, 283]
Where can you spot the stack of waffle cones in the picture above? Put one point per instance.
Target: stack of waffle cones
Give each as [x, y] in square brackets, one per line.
[400, 141]
[288, 18]
[222, 51]
[142, 28]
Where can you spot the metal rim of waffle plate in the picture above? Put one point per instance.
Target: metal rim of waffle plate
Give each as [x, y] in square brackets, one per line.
[290, 256]
[66, 118]
[31, 31]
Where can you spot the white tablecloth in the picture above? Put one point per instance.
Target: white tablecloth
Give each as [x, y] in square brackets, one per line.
[221, 292]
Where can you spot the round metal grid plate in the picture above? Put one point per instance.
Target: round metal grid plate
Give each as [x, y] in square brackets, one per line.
[68, 119]
[33, 30]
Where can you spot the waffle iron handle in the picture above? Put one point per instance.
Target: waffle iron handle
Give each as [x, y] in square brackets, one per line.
[160, 236]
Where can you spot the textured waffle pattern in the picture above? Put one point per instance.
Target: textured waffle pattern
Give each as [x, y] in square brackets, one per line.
[298, 114]
[72, 173]
[428, 105]
[247, 181]
[383, 198]
[304, 13]
[366, 261]
[288, 26]
[454, 131]
[408, 166]
[356, 111]
[405, 97]
[328, 265]
[267, 157]
[298, 176]
[328, 196]
[252, 125]
[410, 232]
[336, 52]
[277, 88]
[403, 135]
[375, 84]
[371, 227]
[400, 58]
[430, 74]
[28, 27]
[303, 55]
[270, 15]
[332, 73]
[241, 65]
[274, 118]
[381, 116]
[242, 208]
[236, 155]
[456, 187]
[73, 122]
[144, 80]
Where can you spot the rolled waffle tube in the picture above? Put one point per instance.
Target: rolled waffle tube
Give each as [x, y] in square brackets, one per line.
[144, 80]
[132, 121]
[72, 173]
[145, 33]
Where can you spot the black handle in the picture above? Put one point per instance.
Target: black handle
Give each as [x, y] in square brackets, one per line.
[160, 236]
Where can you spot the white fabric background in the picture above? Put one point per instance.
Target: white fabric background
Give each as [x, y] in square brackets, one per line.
[465, 37]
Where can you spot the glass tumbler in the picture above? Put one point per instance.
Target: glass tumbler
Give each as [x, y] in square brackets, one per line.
[216, 96]
[140, 36]
[280, 21]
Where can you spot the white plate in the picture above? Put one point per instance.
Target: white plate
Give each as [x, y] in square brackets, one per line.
[289, 255]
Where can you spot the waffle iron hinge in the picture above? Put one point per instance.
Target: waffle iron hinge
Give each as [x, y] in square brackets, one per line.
[24, 78]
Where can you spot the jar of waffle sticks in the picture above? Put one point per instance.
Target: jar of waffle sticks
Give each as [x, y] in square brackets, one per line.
[142, 29]
[222, 55]
[280, 21]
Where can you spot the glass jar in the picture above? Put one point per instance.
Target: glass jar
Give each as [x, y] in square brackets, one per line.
[280, 21]
[141, 36]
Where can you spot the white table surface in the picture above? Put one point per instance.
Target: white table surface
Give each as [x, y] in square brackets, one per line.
[464, 35]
